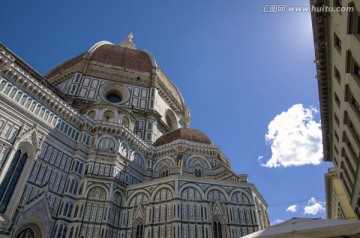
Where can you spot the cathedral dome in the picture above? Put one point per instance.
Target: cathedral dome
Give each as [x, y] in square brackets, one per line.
[117, 65]
[184, 134]
[106, 53]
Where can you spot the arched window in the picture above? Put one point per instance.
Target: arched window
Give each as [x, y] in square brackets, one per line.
[92, 114]
[87, 169]
[191, 193]
[139, 160]
[70, 210]
[66, 209]
[76, 166]
[76, 211]
[240, 198]
[139, 231]
[11, 177]
[71, 232]
[124, 151]
[107, 143]
[72, 185]
[28, 233]
[109, 116]
[77, 231]
[80, 168]
[139, 199]
[198, 172]
[61, 207]
[217, 230]
[81, 187]
[125, 121]
[64, 233]
[75, 188]
[117, 199]
[164, 172]
[216, 195]
[171, 120]
[81, 210]
[97, 193]
[60, 231]
[163, 194]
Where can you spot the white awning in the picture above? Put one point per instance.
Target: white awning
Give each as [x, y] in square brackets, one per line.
[309, 227]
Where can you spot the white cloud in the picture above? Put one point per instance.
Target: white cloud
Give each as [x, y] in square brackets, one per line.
[314, 207]
[292, 208]
[277, 221]
[295, 138]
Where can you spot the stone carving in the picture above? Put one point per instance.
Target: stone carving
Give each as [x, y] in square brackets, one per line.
[37, 213]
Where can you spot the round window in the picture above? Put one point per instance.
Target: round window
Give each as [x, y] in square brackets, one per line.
[114, 93]
[113, 97]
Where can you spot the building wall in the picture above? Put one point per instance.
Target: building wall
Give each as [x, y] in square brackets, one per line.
[85, 171]
[337, 44]
[337, 202]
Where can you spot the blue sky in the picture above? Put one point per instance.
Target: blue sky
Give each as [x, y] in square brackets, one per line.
[238, 68]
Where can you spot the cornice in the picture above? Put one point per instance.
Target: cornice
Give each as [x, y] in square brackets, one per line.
[185, 146]
[10, 69]
[125, 133]
[166, 94]
[13, 58]
[320, 22]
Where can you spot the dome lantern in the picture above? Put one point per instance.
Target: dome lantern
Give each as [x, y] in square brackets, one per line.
[128, 43]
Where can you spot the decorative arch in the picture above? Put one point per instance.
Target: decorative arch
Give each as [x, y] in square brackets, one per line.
[30, 230]
[195, 186]
[162, 193]
[118, 198]
[97, 192]
[124, 149]
[218, 227]
[109, 116]
[167, 161]
[138, 228]
[216, 194]
[192, 192]
[240, 196]
[219, 218]
[138, 159]
[171, 120]
[194, 160]
[36, 216]
[140, 197]
[125, 121]
[123, 112]
[116, 190]
[92, 114]
[107, 143]
[30, 149]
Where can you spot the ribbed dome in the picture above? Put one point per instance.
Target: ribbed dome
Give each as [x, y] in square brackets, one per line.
[120, 56]
[183, 134]
[123, 64]
[105, 52]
